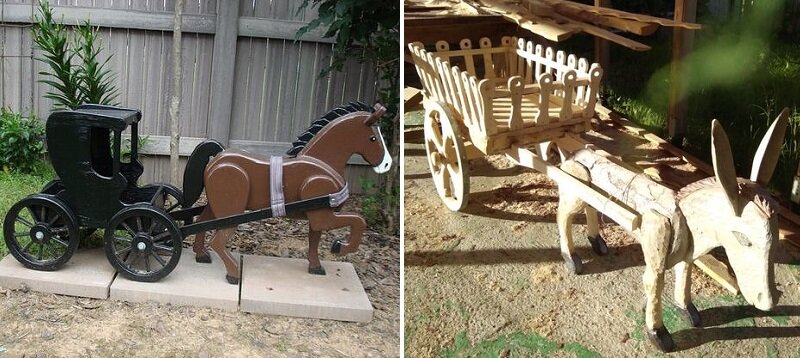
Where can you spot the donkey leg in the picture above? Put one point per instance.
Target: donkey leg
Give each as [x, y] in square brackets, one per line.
[655, 234]
[199, 247]
[593, 232]
[683, 293]
[314, 266]
[568, 206]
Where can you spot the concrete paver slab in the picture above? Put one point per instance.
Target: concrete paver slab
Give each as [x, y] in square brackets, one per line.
[190, 284]
[283, 286]
[86, 274]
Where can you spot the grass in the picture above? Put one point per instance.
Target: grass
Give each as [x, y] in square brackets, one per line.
[518, 344]
[15, 186]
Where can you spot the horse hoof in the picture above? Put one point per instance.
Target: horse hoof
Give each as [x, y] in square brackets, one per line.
[336, 247]
[319, 270]
[573, 263]
[205, 259]
[691, 314]
[661, 339]
[232, 280]
[599, 245]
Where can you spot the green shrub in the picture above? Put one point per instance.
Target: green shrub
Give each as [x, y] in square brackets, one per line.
[21, 142]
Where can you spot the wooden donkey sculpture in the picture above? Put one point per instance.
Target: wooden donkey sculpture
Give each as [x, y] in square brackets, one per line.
[677, 228]
[236, 181]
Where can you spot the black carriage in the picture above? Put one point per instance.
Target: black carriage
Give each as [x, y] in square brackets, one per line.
[96, 187]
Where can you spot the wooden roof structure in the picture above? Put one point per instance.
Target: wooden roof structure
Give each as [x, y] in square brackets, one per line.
[553, 20]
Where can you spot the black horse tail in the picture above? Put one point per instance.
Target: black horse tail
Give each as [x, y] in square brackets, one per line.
[193, 175]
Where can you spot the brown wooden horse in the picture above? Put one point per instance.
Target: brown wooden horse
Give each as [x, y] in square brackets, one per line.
[236, 181]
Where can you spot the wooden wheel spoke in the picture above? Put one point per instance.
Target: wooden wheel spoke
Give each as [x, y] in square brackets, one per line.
[34, 214]
[128, 228]
[24, 222]
[159, 259]
[21, 234]
[139, 224]
[27, 246]
[163, 248]
[60, 242]
[146, 263]
[43, 213]
[54, 219]
[123, 239]
[161, 236]
[41, 251]
[59, 230]
[124, 251]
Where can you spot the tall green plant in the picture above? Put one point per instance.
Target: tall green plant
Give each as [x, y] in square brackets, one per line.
[96, 84]
[52, 38]
[74, 82]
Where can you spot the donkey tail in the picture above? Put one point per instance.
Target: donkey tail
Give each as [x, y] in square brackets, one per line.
[193, 174]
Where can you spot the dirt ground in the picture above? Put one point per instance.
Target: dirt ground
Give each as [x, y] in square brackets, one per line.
[45, 325]
[489, 281]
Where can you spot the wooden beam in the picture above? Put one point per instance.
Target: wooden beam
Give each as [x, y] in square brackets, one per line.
[718, 271]
[114, 18]
[222, 70]
[622, 215]
[278, 29]
[601, 55]
[682, 42]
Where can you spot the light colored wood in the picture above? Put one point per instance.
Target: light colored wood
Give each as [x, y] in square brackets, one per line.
[446, 155]
[175, 103]
[769, 150]
[622, 215]
[724, 169]
[682, 43]
[718, 271]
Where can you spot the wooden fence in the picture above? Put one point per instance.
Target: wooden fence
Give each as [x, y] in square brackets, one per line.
[246, 80]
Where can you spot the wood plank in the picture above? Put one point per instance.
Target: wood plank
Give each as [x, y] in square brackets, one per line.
[279, 29]
[718, 271]
[222, 69]
[682, 43]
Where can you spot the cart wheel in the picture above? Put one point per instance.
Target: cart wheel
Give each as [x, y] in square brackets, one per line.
[41, 232]
[172, 197]
[143, 243]
[447, 157]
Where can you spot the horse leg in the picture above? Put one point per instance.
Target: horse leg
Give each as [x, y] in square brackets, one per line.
[199, 247]
[569, 205]
[357, 226]
[683, 292]
[227, 188]
[655, 234]
[314, 266]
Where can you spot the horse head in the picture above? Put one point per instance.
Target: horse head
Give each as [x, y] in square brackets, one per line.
[370, 143]
[747, 222]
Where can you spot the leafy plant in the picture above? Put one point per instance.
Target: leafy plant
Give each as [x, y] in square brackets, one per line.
[75, 82]
[21, 142]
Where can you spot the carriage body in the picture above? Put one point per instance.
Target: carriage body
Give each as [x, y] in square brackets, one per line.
[491, 100]
[96, 187]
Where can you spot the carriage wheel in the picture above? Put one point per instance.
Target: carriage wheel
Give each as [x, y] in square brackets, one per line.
[171, 198]
[41, 232]
[143, 243]
[447, 157]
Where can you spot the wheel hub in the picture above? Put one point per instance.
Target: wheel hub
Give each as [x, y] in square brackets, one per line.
[41, 233]
[142, 243]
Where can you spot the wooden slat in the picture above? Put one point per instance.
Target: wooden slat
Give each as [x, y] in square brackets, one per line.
[222, 70]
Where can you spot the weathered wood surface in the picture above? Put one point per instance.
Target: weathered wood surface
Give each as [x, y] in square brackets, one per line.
[274, 89]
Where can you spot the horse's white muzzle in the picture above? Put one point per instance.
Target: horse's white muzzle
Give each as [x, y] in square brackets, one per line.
[385, 164]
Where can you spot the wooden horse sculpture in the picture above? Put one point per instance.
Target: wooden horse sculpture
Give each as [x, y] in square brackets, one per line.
[236, 181]
[677, 228]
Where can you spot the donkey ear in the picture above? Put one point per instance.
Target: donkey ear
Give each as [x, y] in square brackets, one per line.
[379, 111]
[723, 165]
[769, 150]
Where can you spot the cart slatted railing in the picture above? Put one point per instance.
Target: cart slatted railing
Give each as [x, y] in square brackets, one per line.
[516, 89]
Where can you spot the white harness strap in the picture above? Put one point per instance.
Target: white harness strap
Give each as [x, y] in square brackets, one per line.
[278, 203]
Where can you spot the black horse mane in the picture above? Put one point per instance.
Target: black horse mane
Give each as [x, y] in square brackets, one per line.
[329, 117]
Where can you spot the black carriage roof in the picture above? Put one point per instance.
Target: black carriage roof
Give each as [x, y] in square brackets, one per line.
[95, 115]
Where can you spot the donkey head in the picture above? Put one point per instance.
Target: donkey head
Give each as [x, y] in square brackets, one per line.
[747, 223]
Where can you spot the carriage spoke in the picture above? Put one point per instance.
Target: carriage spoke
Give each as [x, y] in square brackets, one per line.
[49, 251]
[43, 218]
[41, 250]
[21, 234]
[28, 246]
[60, 230]
[54, 219]
[123, 239]
[60, 242]
[173, 207]
[152, 226]
[146, 263]
[163, 248]
[161, 236]
[124, 251]
[159, 259]
[24, 222]
[139, 224]
[128, 228]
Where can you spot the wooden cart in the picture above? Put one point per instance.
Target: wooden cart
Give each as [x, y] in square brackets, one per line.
[499, 100]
